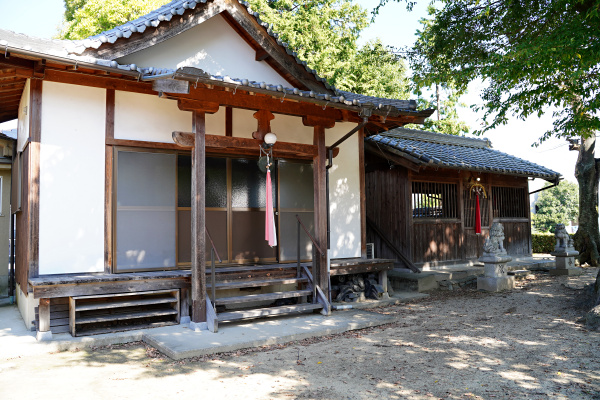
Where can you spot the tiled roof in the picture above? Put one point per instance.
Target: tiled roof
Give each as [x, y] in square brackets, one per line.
[71, 52]
[179, 7]
[448, 151]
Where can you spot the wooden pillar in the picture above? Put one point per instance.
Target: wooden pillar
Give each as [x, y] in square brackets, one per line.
[35, 135]
[108, 181]
[320, 209]
[44, 315]
[363, 195]
[198, 219]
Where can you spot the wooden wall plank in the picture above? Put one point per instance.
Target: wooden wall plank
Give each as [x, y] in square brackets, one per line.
[35, 134]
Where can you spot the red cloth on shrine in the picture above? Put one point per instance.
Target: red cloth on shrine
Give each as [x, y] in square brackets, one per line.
[477, 216]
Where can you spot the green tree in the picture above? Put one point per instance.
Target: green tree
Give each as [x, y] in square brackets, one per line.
[445, 98]
[84, 18]
[556, 205]
[534, 57]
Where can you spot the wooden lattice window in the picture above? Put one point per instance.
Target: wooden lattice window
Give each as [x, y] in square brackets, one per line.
[434, 200]
[484, 209]
[510, 202]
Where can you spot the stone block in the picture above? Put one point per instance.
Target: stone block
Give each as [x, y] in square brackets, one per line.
[565, 262]
[494, 270]
[44, 336]
[574, 271]
[495, 284]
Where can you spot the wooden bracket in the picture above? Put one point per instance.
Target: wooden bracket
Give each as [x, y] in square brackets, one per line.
[264, 118]
[198, 105]
[310, 120]
[261, 55]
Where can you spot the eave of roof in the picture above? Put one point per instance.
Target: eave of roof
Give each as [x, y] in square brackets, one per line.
[447, 151]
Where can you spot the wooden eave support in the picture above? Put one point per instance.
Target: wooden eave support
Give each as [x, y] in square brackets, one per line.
[216, 144]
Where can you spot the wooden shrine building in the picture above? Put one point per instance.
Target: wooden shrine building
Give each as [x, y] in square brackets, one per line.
[421, 208]
[138, 165]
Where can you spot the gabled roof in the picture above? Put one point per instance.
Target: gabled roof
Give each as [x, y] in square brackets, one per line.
[449, 151]
[101, 52]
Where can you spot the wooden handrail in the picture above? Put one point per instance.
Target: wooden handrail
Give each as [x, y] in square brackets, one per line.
[310, 236]
[392, 246]
[213, 244]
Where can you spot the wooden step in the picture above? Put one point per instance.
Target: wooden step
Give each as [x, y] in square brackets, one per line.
[247, 284]
[264, 296]
[125, 316]
[125, 303]
[242, 268]
[265, 312]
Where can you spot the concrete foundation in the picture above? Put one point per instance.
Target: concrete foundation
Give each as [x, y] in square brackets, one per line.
[495, 284]
[574, 271]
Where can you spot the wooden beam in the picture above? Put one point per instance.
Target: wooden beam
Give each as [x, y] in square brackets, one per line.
[106, 82]
[262, 102]
[231, 145]
[320, 209]
[198, 220]
[394, 158]
[228, 121]
[108, 209]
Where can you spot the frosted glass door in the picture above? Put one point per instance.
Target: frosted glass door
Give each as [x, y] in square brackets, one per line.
[146, 211]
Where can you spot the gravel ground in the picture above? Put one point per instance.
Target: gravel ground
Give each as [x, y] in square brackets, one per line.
[464, 344]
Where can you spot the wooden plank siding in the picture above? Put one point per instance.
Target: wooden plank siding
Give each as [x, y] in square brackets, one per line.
[441, 240]
[389, 189]
[22, 226]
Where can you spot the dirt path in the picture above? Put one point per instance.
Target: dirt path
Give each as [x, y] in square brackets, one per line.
[453, 345]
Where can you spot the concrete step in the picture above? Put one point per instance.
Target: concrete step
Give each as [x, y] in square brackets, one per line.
[403, 281]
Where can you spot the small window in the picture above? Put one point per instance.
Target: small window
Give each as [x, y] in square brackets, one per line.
[434, 200]
[510, 202]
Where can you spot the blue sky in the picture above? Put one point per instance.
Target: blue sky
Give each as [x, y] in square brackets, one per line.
[396, 27]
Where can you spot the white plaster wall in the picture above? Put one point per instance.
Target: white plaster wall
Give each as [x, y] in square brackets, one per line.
[215, 123]
[148, 118]
[243, 123]
[212, 46]
[286, 127]
[26, 305]
[23, 122]
[344, 194]
[290, 129]
[72, 179]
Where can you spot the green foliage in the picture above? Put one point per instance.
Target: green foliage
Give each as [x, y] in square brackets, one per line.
[543, 242]
[84, 18]
[449, 122]
[532, 55]
[556, 205]
[324, 34]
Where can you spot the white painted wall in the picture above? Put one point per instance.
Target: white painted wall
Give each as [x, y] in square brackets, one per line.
[148, 118]
[243, 123]
[286, 127]
[290, 129]
[23, 124]
[72, 179]
[212, 46]
[215, 123]
[344, 193]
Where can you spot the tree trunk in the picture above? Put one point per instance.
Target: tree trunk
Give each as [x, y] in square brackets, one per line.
[587, 238]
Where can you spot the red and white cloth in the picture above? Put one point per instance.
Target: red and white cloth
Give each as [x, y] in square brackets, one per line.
[270, 235]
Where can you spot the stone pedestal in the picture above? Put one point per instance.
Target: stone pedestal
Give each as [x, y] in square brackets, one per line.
[564, 254]
[565, 264]
[495, 278]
